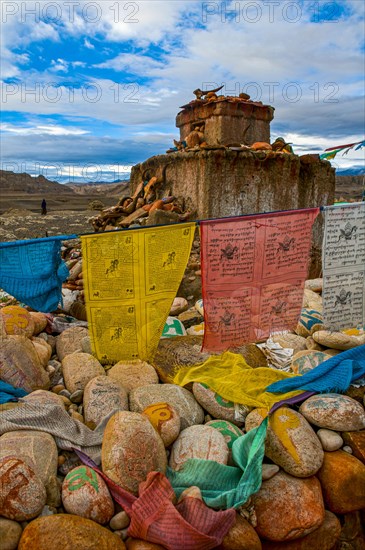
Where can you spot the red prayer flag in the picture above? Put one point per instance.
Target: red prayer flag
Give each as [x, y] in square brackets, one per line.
[253, 274]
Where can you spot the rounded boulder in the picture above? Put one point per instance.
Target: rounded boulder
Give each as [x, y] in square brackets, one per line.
[334, 412]
[198, 442]
[78, 369]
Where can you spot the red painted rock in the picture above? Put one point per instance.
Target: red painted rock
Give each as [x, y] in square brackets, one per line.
[68, 532]
[17, 321]
[40, 321]
[356, 440]
[10, 533]
[131, 449]
[102, 396]
[198, 442]
[133, 374]
[323, 538]
[342, 477]
[20, 364]
[22, 494]
[242, 536]
[165, 419]
[217, 406]
[288, 507]
[85, 494]
[334, 412]
[290, 442]
[69, 341]
[78, 369]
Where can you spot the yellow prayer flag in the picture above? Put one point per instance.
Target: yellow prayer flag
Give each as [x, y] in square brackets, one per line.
[130, 280]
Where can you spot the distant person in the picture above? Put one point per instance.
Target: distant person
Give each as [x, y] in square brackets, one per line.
[44, 207]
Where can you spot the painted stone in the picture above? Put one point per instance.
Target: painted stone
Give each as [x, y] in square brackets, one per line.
[291, 341]
[178, 306]
[199, 306]
[17, 321]
[323, 538]
[22, 494]
[242, 536]
[131, 449]
[342, 477]
[134, 374]
[229, 431]
[85, 494]
[331, 441]
[356, 440]
[78, 369]
[198, 442]
[334, 412]
[288, 508]
[217, 406]
[166, 421]
[196, 330]
[37, 449]
[20, 365]
[173, 327]
[102, 396]
[337, 340]
[68, 532]
[307, 361]
[40, 321]
[44, 397]
[314, 284]
[181, 399]
[69, 341]
[290, 442]
[10, 533]
[309, 322]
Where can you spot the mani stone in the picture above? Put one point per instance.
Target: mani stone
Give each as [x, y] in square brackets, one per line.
[181, 399]
[331, 441]
[323, 538]
[291, 341]
[312, 300]
[44, 397]
[337, 340]
[310, 321]
[242, 536]
[22, 494]
[288, 507]
[78, 369]
[342, 477]
[314, 284]
[178, 306]
[166, 421]
[17, 321]
[68, 532]
[229, 431]
[20, 365]
[290, 442]
[131, 449]
[307, 360]
[10, 533]
[85, 494]
[334, 412]
[102, 396]
[217, 406]
[70, 340]
[198, 442]
[133, 374]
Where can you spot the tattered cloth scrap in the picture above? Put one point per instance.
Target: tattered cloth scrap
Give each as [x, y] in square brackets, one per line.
[188, 525]
[233, 379]
[33, 271]
[9, 393]
[53, 419]
[332, 376]
[224, 486]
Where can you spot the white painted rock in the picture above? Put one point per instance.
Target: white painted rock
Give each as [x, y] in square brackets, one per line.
[196, 330]
[290, 442]
[303, 362]
[178, 306]
[199, 306]
[217, 406]
[78, 369]
[338, 340]
[69, 341]
[173, 327]
[131, 449]
[85, 494]
[198, 442]
[166, 421]
[102, 396]
[334, 412]
[22, 494]
[181, 399]
[10, 533]
[134, 374]
[331, 441]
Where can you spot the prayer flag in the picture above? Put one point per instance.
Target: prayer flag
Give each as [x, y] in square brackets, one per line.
[253, 274]
[130, 280]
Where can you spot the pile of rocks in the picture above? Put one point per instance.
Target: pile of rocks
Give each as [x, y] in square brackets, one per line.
[313, 477]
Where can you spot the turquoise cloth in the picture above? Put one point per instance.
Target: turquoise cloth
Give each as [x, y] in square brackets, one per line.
[33, 271]
[224, 486]
[332, 376]
[9, 393]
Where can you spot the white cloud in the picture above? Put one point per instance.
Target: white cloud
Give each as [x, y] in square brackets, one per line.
[88, 44]
[51, 130]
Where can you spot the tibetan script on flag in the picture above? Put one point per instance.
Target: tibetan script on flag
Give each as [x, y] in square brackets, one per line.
[253, 274]
[130, 280]
[344, 266]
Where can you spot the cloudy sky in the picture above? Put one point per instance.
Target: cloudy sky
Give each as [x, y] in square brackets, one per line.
[91, 88]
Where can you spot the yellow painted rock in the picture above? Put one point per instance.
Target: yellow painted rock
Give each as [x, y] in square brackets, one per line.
[166, 421]
[17, 321]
